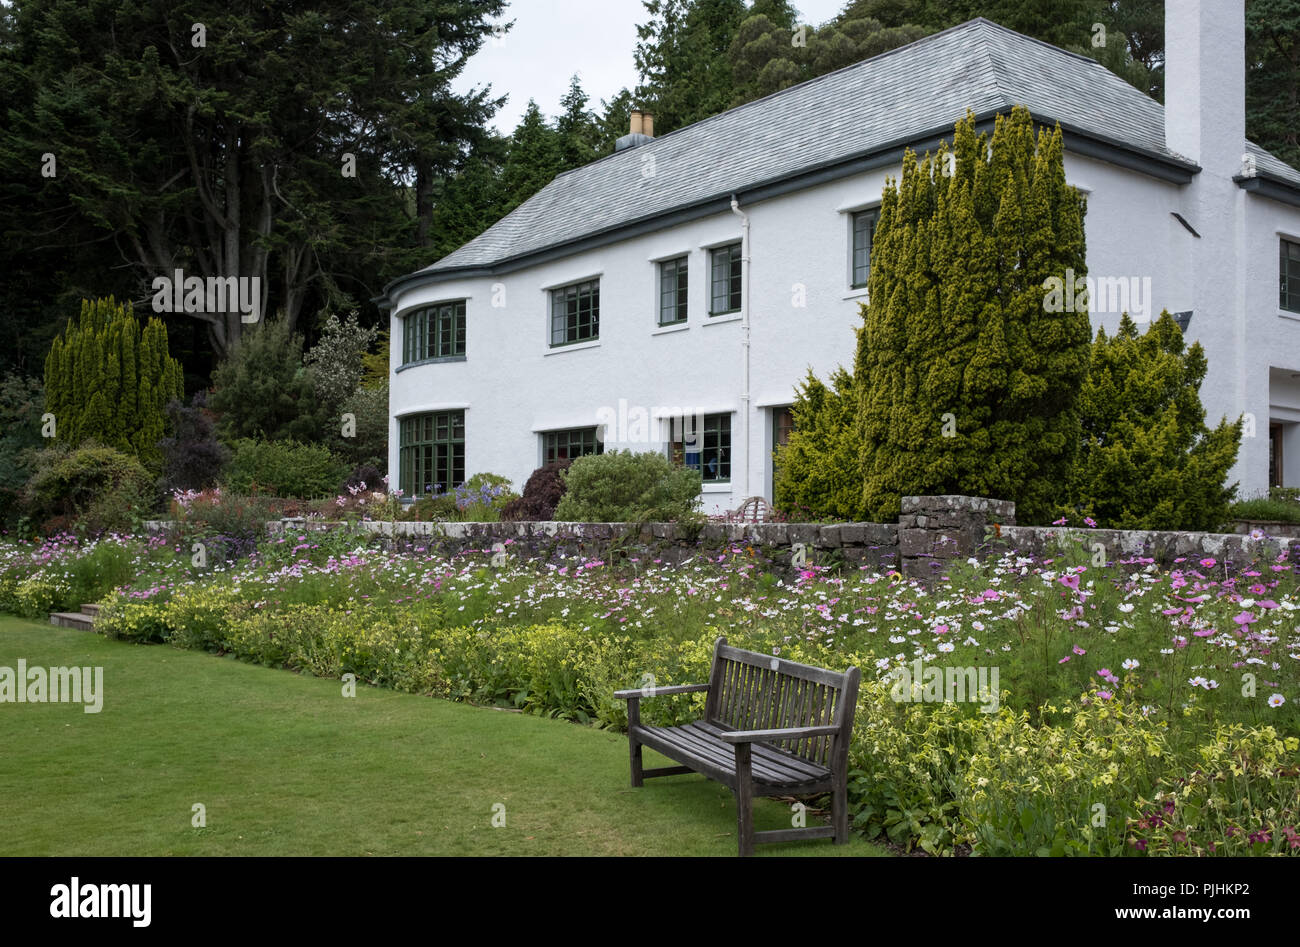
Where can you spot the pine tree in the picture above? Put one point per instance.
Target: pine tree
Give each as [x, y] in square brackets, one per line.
[100, 388]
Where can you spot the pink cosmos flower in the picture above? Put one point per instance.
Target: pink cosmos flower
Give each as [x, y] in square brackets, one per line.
[1064, 659]
[1105, 695]
[1077, 650]
[1061, 522]
[1204, 633]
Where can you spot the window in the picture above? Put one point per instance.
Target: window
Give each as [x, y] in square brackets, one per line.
[707, 450]
[1290, 300]
[568, 445]
[575, 313]
[672, 291]
[782, 428]
[431, 452]
[864, 229]
[434, 332]
[725, 296]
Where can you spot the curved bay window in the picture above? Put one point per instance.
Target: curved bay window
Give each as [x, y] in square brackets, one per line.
[431, 452]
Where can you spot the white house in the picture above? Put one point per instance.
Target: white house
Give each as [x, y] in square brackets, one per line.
[701, 274]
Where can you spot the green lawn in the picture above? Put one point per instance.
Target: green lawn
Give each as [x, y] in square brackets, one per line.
[285, 765]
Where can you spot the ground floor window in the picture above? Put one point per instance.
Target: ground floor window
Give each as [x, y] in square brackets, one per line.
[1275, 455]
[707, 449]
[431, 452]
[569, 444]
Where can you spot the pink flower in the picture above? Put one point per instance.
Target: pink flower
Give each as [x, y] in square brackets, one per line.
[1204, 633]
[1105, 695]
[1064, 659]
[1245, 618]
[1208, 563]
[1077, 650]
[1061, 522]
[1090, 521]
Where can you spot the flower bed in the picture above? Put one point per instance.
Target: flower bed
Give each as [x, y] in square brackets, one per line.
[1132, 709]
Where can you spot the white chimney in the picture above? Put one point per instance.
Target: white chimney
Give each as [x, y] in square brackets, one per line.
[1205, 82]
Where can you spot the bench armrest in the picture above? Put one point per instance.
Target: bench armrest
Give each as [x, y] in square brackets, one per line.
[789, 733]
[645, 692]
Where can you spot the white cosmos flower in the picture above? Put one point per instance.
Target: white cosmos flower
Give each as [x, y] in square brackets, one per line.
[946, 646]
[1126, 607]
[1276, 700]
[1129, 664]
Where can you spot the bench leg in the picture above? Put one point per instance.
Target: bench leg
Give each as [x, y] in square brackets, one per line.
[634, 749]
[744, 800]
[840, 812]
[633, 745]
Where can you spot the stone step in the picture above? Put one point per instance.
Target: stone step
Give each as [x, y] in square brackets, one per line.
[72, 620]
[90, 609]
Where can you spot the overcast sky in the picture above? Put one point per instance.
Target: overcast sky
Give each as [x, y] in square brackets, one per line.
[553, 39]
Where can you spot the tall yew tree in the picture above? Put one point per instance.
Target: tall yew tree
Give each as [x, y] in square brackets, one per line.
[108, 378]
[966, 382]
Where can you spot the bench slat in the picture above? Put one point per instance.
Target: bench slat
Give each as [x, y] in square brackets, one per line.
[770, 766]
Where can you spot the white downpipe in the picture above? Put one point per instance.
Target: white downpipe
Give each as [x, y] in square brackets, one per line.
[744, 335]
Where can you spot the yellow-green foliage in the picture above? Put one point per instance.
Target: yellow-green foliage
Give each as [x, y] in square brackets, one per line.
[37, 597]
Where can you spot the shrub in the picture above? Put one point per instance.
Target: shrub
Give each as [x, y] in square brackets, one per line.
[230, 525]
[108, 379]
[628, 487]
[283, 468]
[1148, 461]
[542, 493]
[337, 361]
[817, 471]
[263, 389]
[192, 458]
[97, 488]
[368, 442]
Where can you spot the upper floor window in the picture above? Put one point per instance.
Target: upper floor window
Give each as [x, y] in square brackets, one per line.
[725, 283]
[864, 229]
[707, 449]
[672, 291]
[570, 444]
[1290, 276]
[434, 332]
[575, 313]
[431, 452]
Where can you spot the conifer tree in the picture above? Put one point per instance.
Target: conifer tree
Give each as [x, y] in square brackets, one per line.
[1148, 461]
[966, 382]
[108, 379]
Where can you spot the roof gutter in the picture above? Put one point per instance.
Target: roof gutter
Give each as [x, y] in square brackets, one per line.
[1077, 140]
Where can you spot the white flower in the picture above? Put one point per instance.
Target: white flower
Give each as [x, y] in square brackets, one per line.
[946, 646]
[1197, 681]
[1130, 664]
[1112, 628]
[896, 639]
[1247, 603]
[1126, 607]
[977, 625]
[1277, 700]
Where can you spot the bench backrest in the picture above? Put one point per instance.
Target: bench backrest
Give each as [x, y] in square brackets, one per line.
[752, 691]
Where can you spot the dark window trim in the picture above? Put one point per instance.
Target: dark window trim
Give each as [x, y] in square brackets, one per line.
[597, 445]
[428, 337]
[735, 281]
[873, 214]
[681, 293]
[557, 293]
[1287, 302]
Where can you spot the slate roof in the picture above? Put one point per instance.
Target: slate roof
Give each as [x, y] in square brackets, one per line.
[902, 96]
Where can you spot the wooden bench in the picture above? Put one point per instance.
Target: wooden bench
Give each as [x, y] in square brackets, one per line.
[771, 727]
[753, 510]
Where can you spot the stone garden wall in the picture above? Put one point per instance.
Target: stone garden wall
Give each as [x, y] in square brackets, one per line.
[930, 531]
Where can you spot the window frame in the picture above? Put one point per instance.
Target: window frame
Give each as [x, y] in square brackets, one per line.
[735, 279]
[418, 443]
[423, 332]
[715, 427]
[1288, 302]
[871, 214]
[550, 456]
[680, 290]
[561, 293]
